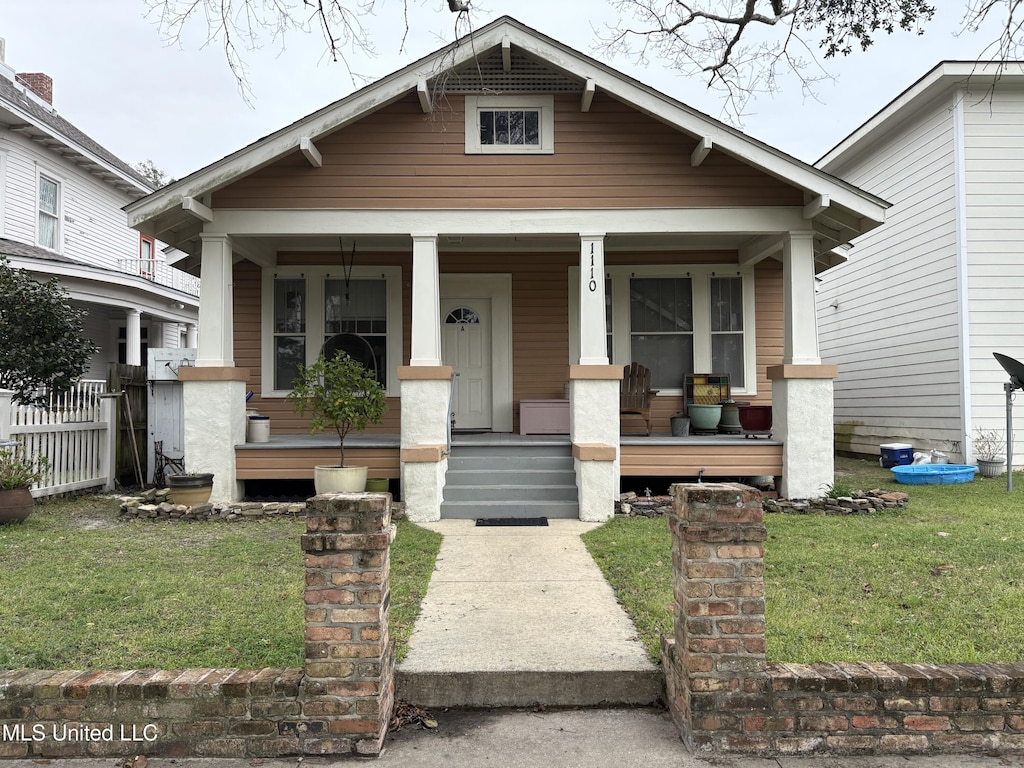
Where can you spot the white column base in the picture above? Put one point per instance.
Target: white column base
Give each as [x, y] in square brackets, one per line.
[803, 419]
[214, 425]
[598, 484]
[423, 489]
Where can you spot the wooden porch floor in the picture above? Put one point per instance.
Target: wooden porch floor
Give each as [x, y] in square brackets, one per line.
[293, 456]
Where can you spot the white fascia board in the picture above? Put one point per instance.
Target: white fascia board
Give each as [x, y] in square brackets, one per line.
[944, 76]
[109, 285]
[725, 221]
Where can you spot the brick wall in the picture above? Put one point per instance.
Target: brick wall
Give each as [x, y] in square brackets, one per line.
[725, 697]
[339, 703]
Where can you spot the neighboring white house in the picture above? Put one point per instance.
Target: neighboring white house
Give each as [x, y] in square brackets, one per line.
[914, 315]
[61, 201]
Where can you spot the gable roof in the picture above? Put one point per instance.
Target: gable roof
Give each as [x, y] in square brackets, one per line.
[19, 112]
[165, 210]
[941, 79]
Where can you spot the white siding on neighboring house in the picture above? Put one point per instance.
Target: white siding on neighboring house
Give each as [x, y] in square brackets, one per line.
[94, 229]
[994, 149]
[889, 316]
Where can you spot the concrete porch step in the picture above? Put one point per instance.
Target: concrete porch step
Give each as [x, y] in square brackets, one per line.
[491, 509]
[525, 493]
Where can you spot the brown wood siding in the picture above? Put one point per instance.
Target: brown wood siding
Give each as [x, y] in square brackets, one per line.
[609, 157]
[540, 332]
[298, 463]
[737, 458]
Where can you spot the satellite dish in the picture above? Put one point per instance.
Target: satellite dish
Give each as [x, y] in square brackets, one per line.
[353, 345]
[1013, 367]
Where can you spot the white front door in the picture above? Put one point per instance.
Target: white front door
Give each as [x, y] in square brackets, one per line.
[466, 347]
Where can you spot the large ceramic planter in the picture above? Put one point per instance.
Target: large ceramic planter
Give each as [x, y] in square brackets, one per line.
[15, 505]
[339, 479]
[704, 418]
[190, 490]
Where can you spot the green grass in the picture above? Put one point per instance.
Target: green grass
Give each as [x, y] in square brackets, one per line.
[938, 582]
[84, 589]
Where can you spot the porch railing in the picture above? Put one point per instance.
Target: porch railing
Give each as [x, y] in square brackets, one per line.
[74, 434]
[161, 273]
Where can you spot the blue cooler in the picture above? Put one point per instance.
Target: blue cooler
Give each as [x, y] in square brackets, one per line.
[896, 454]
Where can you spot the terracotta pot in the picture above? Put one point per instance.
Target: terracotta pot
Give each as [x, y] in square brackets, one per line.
[339, 479]
[15, 505]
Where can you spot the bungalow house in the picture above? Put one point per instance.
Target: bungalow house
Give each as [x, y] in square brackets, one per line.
[516, 213]
[914, 315]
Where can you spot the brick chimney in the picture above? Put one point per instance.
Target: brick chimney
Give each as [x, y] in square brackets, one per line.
[41, 84]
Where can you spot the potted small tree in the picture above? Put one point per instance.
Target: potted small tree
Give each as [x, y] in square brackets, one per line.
[990, 451]
[17, 475]
[338, 394]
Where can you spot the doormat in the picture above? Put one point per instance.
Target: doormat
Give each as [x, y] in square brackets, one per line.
[488, 521]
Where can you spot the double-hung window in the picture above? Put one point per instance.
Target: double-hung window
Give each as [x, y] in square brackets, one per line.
[678, 320]
[311, 305]
[48, 235]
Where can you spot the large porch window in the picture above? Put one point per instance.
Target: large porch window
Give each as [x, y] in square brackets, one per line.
[678, 320]
[305, 307]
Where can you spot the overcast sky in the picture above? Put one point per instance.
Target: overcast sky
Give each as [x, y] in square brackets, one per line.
[117, 80]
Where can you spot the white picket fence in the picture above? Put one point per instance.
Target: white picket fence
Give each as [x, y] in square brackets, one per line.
[74, 433]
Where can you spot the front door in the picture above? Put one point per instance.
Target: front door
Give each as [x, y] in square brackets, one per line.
[466, 347]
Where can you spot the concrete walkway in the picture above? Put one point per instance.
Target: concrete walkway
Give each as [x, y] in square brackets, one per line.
[516, 616]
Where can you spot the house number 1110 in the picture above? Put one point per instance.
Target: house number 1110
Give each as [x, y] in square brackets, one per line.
[593, 282]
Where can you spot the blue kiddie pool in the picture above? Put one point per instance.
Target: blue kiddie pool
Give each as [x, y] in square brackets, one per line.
[934, 474]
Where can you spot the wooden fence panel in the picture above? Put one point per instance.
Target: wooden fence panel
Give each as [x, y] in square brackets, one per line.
[131, 430]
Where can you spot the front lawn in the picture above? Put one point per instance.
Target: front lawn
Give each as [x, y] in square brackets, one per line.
[84, 589]
[938, 582]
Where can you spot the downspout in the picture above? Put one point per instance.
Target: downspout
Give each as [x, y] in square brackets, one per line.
[963, 304]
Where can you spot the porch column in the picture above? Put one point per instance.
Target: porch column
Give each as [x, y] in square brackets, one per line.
[133, 337]
[191, 335]
[213, 392]
[426, 302]
[425, 399]
[594, 431]
[802, 400]
[593, 341]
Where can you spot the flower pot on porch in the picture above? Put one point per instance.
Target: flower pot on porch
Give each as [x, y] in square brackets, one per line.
[15, 505]
[377, 485]
[704, 418]
[191, 489]
[680, 426]
[339, 479]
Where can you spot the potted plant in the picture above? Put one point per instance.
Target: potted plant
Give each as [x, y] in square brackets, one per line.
[190, 488]
[989, 451]
[17, 475]
[339, 394]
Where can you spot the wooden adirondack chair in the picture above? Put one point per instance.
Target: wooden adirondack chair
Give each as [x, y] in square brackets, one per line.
[636, 393]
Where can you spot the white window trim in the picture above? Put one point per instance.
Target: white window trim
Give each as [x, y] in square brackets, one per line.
[315, 277]
[701, 277]
[60, 181]
[544, 104]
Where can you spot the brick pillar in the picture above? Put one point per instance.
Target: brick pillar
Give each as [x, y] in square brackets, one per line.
[348, 687]
[715, 662]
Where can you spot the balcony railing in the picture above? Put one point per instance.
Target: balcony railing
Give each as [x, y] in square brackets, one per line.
[161, 273]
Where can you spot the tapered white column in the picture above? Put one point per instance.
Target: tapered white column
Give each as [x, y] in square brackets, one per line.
[216, 324]
[800, 342]
[133, 338]
[593, 338]
[426, 302]
[191, 335]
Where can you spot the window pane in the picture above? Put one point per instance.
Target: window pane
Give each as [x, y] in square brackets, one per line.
[290, 306]
[486, 128]
[533, 127]
[669, 357]
[47, 195]
[501, 127]
[289, 354]
[516, 127]
[47, 231]
[727, 357]
[660, 304]
[726, 304]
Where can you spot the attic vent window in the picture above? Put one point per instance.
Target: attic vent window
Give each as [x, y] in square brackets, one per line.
[509, 124]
